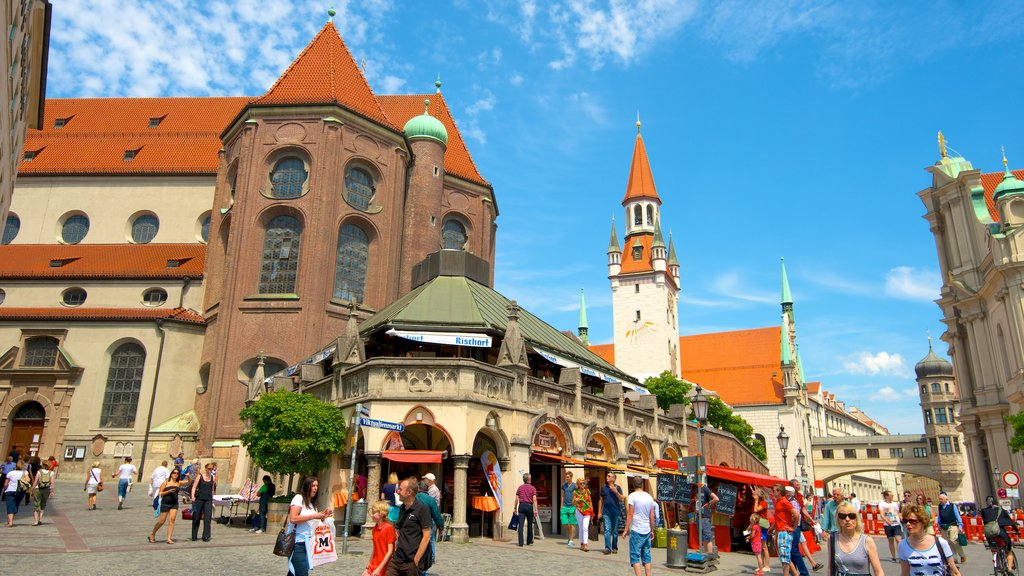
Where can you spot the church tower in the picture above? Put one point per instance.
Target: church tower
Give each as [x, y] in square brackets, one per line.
[644, 277]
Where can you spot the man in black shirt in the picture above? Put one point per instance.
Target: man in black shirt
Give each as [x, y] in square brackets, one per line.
[413, 527]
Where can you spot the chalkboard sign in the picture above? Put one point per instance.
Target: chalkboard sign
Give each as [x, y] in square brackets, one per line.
[726, 499]
[683, 490]
[666, 488]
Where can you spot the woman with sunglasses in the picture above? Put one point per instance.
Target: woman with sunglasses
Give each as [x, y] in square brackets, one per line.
[929, 518]
[923, 554]
[168, 495]
[854, 553]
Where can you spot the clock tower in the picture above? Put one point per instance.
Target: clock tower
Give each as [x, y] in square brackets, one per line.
[644, 276]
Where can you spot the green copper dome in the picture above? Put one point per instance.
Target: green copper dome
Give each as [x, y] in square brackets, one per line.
[426, 126]
[1009, 185]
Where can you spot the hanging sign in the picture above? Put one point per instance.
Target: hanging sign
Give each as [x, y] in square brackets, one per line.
[450, 338]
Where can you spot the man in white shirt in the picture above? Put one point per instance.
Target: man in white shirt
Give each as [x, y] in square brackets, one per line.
[433, 490]
[640, 522]
[855, 501]
[157, 479]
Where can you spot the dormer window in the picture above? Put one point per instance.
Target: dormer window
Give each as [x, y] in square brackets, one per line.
[638, 252]
[61, 122]
[156, 120]
[130, 155]
[30, 155]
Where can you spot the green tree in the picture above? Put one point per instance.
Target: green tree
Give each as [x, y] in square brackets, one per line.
[1017, 421]
[291, 432]
[669, 389]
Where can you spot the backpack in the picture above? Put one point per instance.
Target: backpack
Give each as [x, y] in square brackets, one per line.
[992, 529]
[25, 482]
[45, 476]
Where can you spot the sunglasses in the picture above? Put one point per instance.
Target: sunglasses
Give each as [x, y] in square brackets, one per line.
[910, 521]
[847, 516]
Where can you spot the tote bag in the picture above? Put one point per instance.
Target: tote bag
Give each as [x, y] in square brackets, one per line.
[324, 551]
[513, 524]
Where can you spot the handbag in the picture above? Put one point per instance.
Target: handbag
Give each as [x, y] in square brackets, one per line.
[513, 524]
[186, 514]
[961, 539]
[285, 542]
[99, 487]
[764, 523]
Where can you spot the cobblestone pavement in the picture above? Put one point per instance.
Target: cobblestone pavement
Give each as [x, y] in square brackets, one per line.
[74, 541]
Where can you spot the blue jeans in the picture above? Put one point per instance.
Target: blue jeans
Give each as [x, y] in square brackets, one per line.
[639, 548]
[611, 531]
[299, 560]
[122, 488]
[525, 519]
[796, 557]
[12, 499]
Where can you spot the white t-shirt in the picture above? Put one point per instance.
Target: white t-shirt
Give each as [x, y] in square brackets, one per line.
[159, 476]
[94, 476]
[642, 504]
[303, 530]
[126, 471]
[13, 476]
[856, 504]
[890, 512]
[925, 562]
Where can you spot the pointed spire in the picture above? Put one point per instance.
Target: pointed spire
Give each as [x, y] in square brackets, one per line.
[1010, 183]
[513, 346]
[583, 329]
[800, 365]
[613, 244]
[349, 348]
[641, 180]
[672, 259]
[786, 356]
[638, 123]
[659, 240]
[1006, 164]
[787, 296]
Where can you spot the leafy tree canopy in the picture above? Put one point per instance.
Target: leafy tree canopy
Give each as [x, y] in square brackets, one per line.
[292, 432]
[1017, 421]
[673, 390]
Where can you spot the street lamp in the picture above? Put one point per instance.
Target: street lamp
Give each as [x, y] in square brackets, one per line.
[783, 439]
[700, 412]
[801, 458]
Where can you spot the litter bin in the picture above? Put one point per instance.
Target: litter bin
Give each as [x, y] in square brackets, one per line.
[675, 555]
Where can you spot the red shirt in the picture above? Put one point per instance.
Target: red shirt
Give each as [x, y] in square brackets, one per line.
[526, 493]
[784, 515]
[383, 534]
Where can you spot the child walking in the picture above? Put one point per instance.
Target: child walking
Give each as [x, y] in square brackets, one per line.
[754, 537]
[383, 540]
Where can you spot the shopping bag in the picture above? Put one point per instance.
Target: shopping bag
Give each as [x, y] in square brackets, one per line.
[324, 551]
[961, 539]
[513, 524]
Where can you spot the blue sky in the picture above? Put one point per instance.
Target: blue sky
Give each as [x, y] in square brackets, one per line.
[774, 128]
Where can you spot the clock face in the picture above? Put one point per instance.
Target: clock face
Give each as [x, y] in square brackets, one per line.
[640, 330]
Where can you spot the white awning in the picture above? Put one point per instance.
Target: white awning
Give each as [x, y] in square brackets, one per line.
[556, 359]
[450, 338]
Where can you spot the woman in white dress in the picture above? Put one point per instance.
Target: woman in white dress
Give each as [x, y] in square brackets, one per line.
[92, 484]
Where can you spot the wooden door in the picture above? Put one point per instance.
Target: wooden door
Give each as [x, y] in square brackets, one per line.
[27, 436]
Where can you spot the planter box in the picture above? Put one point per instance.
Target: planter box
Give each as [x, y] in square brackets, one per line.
[276, 513]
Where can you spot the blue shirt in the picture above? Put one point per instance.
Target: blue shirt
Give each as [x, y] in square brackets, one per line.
[7, 467]
[435, 512]
[610, 501]
[567, 489]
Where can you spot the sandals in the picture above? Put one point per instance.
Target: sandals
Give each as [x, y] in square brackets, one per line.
[151, 539]
[170, 541]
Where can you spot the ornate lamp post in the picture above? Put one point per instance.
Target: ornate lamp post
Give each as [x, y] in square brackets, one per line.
[800, 460]
[783, 439]
[700, 412]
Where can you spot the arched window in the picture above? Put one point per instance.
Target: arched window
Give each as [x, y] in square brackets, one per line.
[154, 297]
[74, 297]
[650, 215]
[288, 178]
[453, 235]
[74, 229]
[204, 228]
[30, 411]
[40, 351]
[638, 216]
[280, 267]
[359, 188]
[11, 229]
[760, 440]
[350, 268]
[124, 382]
[144, 229]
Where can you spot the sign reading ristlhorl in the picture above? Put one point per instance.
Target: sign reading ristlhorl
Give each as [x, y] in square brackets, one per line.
[370, 422]
[451, 338]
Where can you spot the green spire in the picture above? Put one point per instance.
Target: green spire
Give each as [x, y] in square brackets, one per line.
[786, 357]
[1010, 183]
[672, 260]
[659, 240]
[787, 297]
[613, 244]
[583, 320]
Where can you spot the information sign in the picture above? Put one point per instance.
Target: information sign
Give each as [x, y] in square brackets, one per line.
[726, 499]
[371, 423]
[666, 488]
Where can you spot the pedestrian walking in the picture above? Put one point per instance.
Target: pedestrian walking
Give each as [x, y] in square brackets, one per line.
[923, 554]
[761, 509]
[383, 537]
[640, 524]
[437, 521]
[411, 556]
[389, 494]
[202, 503]
[584, 505]
[852, 552]
[855, 501]
[890, 512]
[13, 484]
[997, 521]
[303, 515]
[829, 521]
[32, 466]
[124, 476]
[53, 468]
[167, 494]
[609, 510]
[179, 463]
[526, 506]
[786, 520]
[156, 480]
[93, 484]
[796, 558]
[432, 488]
[568, 509]
[265, 492]
[42, 486]
[805, 524]
[951, 524]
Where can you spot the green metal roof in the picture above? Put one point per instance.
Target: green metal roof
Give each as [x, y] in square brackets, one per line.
[583, 311]
[613, 244]
[455, 304]
[787, 296]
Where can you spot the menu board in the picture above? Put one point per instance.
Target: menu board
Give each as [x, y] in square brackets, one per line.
[666, 488]
[683, 490]
[726, 499]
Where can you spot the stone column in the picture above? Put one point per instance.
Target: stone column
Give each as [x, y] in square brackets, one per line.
[372, 488]
[460, 529]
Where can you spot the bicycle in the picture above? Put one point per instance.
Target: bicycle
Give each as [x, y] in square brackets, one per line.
[1000, 566]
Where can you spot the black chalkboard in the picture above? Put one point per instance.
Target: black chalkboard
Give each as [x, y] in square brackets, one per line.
[666, 488]
[726, 499]
[683, 490]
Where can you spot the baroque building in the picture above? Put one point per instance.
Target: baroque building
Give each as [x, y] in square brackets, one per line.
[977, 221]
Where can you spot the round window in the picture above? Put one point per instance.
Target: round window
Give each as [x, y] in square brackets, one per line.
[3, 295]
[144, 229]
[154, 297]
[74, 297]
[204, 228]
[74, 229]
[11, 229]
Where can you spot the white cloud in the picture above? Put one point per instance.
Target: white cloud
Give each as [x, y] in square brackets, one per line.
[909, 283]
[880, 363]
[516, 79]
[471, 127]
[588, 105]
[730, 284]
[893, 394]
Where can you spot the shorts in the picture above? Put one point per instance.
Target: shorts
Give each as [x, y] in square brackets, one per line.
[893, 531]
[707, 531]
[784, 541]
[568, 514]
[639, 548]
[764, 534]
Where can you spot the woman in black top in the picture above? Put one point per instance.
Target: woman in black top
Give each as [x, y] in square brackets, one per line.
[202, 502]
[168, 505]
[995, 513]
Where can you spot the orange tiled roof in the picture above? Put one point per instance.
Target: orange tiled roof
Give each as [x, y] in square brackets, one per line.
[99, 131]
[457, 161]
[989, 182]
[177, 314]
[605, 351]
[326, 73]
[641, 180]
[29, 261]
[630, 265]
[737, 365]
[813, 387]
